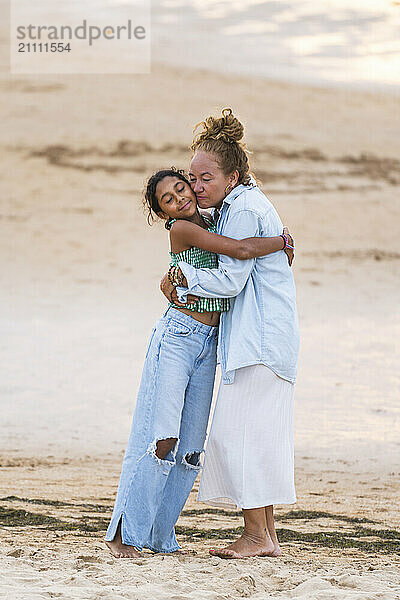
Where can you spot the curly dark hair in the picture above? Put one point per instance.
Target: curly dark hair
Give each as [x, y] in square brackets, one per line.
[150, 202]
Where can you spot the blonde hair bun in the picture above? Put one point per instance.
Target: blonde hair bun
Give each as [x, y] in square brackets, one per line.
[222, 137]
[227, 128]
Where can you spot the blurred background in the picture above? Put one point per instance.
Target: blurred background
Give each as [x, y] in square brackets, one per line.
[332, 41]
[317, 87]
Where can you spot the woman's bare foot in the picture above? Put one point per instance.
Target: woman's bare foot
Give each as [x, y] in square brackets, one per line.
[271, 531]
[246, 546]
[120, 550]
[276, 551]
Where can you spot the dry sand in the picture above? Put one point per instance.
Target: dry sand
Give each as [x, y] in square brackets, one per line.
[79, 294]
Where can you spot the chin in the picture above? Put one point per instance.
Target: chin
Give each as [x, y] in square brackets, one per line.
[204, 204]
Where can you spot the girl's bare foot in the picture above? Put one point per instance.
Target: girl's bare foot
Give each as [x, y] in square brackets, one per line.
[120, 550]
[246, 546]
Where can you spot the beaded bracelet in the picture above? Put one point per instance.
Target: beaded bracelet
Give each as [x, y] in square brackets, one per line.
[171, 272]
[173, 275]
[178, 276]
[286, 240]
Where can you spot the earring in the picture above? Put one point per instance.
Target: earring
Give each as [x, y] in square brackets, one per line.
[227, 188]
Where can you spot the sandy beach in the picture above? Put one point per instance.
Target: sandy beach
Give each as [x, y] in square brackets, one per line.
[79, 276]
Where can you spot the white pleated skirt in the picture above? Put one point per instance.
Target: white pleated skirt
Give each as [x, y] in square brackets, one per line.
[249, 459]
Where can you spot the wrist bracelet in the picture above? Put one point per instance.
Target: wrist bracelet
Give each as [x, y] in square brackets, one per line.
[171, 273]
[178, 276]
[286, 240]
[175, 275]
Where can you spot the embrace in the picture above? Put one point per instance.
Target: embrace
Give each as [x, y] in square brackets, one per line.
[232, 300]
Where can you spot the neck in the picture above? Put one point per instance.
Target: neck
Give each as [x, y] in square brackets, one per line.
[197, 219]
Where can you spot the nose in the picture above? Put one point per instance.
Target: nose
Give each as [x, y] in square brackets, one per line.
[198, 187]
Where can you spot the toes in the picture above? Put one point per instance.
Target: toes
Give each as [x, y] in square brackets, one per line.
[232, 554]
[129, 554]
[225, 553]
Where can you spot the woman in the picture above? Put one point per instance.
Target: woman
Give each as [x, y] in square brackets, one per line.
[249, 456]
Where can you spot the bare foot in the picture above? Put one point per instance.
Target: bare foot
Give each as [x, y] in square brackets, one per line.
[120, 550]
[270, 530]
[276, 551]
[246, 546]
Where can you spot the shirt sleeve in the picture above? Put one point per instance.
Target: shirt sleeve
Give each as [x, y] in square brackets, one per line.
[230, 278]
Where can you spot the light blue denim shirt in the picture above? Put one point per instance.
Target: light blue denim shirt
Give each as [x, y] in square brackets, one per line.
[261, 326]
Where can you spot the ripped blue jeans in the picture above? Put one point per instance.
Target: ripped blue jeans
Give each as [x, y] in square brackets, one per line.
[174, 401]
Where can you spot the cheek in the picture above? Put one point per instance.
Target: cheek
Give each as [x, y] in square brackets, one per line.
[216, 191]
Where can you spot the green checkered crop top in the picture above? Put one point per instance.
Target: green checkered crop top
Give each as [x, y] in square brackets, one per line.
[199, 258]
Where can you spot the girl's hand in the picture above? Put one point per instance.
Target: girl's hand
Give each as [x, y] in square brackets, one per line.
[289, 251]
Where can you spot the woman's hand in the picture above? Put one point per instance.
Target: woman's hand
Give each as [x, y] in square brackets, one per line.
[170, 293]
[289, 251]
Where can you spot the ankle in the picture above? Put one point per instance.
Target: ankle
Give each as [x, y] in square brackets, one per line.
[272, 537]
[256, 536]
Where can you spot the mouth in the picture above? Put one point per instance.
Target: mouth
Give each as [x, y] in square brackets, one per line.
[185, 205]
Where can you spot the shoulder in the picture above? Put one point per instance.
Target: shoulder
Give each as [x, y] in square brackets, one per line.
[253, 200]
[181, 235]
[181, 227]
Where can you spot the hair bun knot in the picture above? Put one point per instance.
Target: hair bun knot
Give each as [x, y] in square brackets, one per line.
[227, 128]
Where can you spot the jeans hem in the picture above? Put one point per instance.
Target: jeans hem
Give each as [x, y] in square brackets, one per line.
[141, 546]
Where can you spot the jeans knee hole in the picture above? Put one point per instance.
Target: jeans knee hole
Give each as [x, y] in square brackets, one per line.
[192, 460]
[165, 447]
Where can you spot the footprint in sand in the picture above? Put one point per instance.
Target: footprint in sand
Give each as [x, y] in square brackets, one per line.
[245, 586]
[89, 559]
[16, 553]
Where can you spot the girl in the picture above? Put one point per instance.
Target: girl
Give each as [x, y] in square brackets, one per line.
[163, 456]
